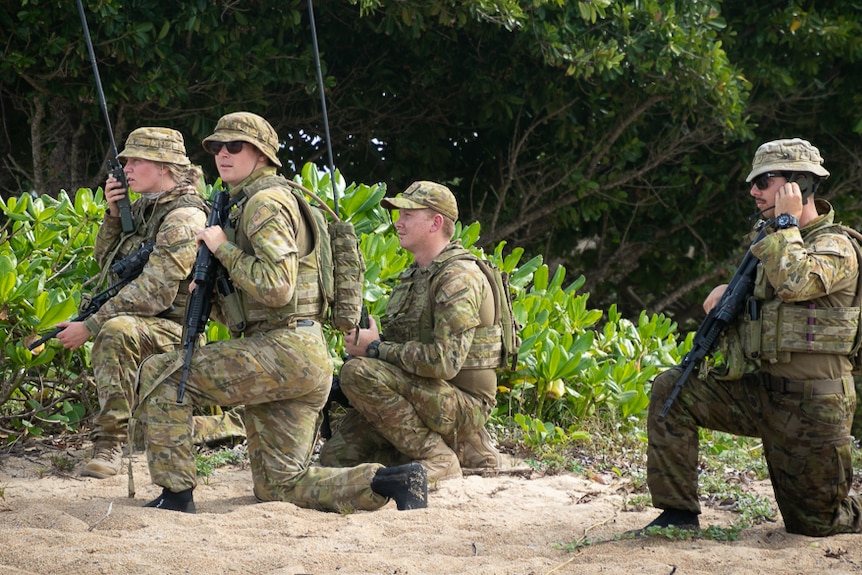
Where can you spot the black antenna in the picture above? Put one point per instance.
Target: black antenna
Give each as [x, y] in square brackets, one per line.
[323, 104]
[115, 168]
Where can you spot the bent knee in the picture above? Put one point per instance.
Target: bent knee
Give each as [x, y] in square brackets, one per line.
[358, 373]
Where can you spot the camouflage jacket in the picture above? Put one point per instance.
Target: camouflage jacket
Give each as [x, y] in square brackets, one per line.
[171, 221]
[272, 262]
[804, 272]
[436, 342]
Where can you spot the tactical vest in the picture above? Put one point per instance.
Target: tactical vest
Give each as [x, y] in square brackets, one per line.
[307, 300]
[410, 318]
[148, 216]
[769, 330]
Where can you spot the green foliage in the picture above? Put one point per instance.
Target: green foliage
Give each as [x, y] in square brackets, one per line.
[570, 370]
[573, 365]
[207, 463]
[608, 136]
[45, 256]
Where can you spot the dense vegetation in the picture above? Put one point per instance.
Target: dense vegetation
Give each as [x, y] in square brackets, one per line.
[575, 363]
[609, 136]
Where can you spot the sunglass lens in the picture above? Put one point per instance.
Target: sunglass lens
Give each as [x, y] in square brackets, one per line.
[762, 181]
[234, 147]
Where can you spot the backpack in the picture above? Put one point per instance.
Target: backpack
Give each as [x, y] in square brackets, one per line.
[503, 314]
[341, 265]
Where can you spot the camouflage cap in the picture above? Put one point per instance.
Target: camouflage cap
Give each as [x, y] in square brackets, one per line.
[156, 144]
[247, 127]
[792, 155]
[423, 194]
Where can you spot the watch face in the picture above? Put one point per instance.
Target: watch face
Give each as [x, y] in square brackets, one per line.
[785, 221]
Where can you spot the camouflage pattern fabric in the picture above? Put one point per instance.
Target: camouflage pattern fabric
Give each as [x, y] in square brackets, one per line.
[281, 413]
[214, 429]
[398, 410]
[125, 328]
[806, 442]
[117, 350]
[282, 376]
[856, 429]
[806, 435]
[157, 145]
[357, 441]
[157, 289]
[405, 395]
[803, 267]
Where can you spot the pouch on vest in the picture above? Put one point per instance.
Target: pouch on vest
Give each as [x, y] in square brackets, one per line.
[341, 267]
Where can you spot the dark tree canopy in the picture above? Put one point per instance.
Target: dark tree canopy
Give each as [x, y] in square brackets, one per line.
[610, 136]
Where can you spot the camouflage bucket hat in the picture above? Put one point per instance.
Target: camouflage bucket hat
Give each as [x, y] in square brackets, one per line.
[247, 127]
[156, 144]
[793, 155]
[420, 195]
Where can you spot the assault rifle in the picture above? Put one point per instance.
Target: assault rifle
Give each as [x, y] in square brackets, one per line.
[126, 269]
[115, 168]
[719, 317]
[208, 274]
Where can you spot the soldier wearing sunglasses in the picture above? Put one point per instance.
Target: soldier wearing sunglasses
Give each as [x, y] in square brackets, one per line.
[278, 366]
[785, 375]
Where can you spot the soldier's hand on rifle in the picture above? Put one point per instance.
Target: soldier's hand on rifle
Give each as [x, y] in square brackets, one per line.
[366, 336]
[714, 297]
[114, 192]
[73, 335]
[212, 236]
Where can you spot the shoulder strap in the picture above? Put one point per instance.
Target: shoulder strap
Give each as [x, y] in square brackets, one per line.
[486, 268]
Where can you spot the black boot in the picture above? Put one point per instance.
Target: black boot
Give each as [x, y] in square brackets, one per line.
[181, 501]
[406, 484]
[671, 518]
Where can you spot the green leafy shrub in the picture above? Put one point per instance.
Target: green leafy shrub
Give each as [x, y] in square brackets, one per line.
[46, 248]
[575, 363]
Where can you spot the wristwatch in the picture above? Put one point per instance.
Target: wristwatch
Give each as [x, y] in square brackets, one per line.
[372, 349]
[784, 221]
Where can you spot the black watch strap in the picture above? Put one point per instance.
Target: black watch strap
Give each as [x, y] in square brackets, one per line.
[784, 221]
[373, 349]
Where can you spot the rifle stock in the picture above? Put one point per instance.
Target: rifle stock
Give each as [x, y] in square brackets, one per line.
[207, 274]
[719, 317]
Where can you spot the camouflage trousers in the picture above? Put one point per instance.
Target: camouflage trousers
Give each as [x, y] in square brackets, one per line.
[856, 430]
[398, 416]
[806, 442]
[282, 378]
[118, 348]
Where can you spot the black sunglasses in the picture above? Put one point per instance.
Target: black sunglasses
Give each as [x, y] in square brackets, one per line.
[762, 181]
[234, 147]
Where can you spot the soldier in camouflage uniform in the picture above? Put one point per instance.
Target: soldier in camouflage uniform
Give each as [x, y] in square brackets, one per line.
[278, 366]
[146, 315]
[424, 390]
[798, 396]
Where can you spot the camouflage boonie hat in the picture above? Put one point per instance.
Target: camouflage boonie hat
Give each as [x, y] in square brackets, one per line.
[793, 155]
[247, 127]
[156, 144]
[420, 195]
